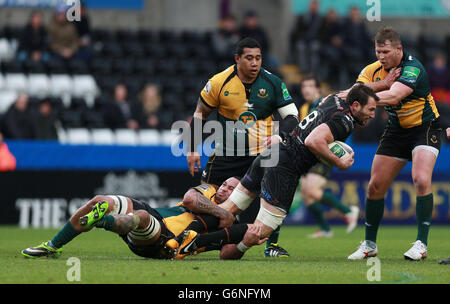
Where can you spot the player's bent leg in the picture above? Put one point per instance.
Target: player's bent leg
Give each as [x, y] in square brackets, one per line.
[145, 230]
[239, 200]
[383, 172]
[96, 208]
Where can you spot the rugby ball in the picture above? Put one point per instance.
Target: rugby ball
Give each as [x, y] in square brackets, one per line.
[340, 149]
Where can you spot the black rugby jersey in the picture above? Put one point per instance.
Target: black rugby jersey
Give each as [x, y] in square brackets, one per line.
[335, 112]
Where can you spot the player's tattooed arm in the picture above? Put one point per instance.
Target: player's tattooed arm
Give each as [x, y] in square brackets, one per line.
[202, 111]
[197, 202]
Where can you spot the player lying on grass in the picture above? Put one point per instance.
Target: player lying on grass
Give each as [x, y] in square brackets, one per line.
[300, 150]
[145, 229]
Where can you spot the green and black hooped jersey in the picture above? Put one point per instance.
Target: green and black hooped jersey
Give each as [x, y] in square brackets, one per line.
[415, 109]
[245, 112]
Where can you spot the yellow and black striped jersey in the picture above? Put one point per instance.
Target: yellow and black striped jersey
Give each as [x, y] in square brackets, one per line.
[415, 109]
[244, 110]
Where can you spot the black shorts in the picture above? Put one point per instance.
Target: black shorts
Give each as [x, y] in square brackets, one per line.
[156, 250]
[277, 184]
[220, 168]
[398, 142]
[321, 169]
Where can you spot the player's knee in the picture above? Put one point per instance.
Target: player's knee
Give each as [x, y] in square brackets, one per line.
[270, 221]
[375, 189]
[422, 183]
[144, 218]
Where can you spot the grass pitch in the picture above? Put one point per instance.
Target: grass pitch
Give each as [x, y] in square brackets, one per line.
[104, 258]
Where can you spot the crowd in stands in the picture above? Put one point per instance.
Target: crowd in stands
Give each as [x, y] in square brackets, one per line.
[147, 79]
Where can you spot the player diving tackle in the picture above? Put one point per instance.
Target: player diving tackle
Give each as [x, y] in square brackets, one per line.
[146, 230]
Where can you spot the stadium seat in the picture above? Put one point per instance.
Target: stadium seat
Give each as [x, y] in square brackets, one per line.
[126, 137]
[85, 86]
[16, 82]
[60, 84]
[103, 136]
[7, 98]
[149, 137]
[38, 85]
[6, 50]
[78, 136]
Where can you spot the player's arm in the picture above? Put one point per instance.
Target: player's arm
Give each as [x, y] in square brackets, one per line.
[201, 113]
[198, 203]
[376, 86]
[448, 133]
[251, 238]
[394, 95]
[289, 115]
[317, 142]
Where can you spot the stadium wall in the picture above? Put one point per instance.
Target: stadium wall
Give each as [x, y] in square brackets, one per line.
[52, 180]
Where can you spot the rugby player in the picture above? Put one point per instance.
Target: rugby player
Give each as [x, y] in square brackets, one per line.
[145, 229]
[301, 149]
[250, 95]
[313, 182]
[413, 133]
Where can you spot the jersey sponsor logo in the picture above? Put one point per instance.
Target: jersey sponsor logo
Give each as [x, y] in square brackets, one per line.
[410, 74]
[285, 91]
[207, 87]
[262, 93]
[248, 118]
[226, 93]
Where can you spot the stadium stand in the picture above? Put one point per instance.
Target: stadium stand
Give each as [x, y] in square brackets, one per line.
[179, 63]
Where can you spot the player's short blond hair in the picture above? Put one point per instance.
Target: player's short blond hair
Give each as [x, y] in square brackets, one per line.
[387, 33]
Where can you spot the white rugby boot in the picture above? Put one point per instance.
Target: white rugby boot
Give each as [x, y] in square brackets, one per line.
[367, 249]
[417, 252]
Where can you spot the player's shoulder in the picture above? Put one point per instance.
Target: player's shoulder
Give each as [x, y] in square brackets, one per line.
[206, 189]
[270, 76]
[222, 76]
[371, 68]
[411, 61]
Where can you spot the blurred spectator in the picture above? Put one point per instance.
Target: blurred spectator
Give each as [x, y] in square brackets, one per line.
[330, 36]
[63, 35]
[151, 102]
[439, 75]
[18, 120]
[7, 159]
[121, 113]
[251, 28]
[84, 33]
[304, 39]
[33, 41]
[45, 121]
[356, 41]
[374, 129]
[225, 38]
